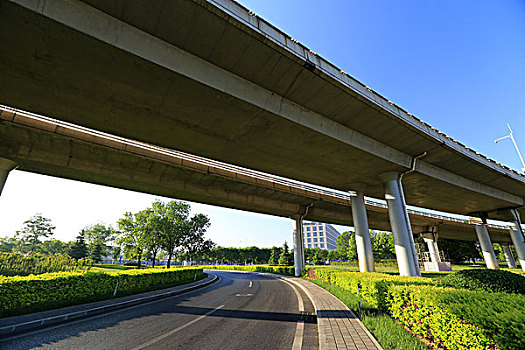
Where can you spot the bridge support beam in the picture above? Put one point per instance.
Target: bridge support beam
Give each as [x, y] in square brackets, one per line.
[362, 233]
[6, 166]
[511, 262]
[298, 245]
[399, 221]
[486, 246]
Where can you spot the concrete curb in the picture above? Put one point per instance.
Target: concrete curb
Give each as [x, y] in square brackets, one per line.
[18, 328]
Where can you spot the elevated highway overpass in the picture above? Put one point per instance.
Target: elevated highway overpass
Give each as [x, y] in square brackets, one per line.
[50, 147]
[211, 78]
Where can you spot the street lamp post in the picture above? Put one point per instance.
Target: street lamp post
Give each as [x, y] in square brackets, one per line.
[511, 136]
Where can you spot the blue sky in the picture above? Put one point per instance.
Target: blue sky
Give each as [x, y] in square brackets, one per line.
[458, 65]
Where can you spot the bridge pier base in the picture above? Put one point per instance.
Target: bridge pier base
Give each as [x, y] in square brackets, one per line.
[511, 262]
[486, 246]
[298, 245]
[6, 166]
[362, 233]
[400, 223]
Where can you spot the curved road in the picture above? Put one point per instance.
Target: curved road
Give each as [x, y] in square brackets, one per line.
[240, 311]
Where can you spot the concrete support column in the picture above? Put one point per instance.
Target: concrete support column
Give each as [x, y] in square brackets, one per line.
[6, 166]
[400, 223]
[518, 239]
[511, 263]
[298, 245]
[486, 246]
[362, 233]
[433, 249]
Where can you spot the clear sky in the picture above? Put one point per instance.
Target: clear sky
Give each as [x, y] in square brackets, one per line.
[458, 65]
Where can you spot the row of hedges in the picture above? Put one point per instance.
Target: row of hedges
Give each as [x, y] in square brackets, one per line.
[454, 318]
[373, 286]
[283, 270]
[38, 292]
[16, 264]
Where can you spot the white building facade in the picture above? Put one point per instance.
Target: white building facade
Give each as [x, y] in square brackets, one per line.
[319, 235]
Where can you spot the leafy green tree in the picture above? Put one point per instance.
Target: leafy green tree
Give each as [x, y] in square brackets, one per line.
[97, 249]
[78, 249]
[131, 237]
[285, 259]
[274, 256]
[34, 228]
[193, 241]
[97, 236]
[172, 218]
[53, 246]
[8, 244]
[346, 247]
[383, 245]
[459, 251]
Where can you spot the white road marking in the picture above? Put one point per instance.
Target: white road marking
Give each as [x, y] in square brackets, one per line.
[299, 331]
[250, 284]
[173, 331]
[243, 295]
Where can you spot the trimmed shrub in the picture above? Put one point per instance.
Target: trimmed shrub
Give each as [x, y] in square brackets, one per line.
[283, 270]
[460, 319]
[486, 280]
[17, 264]
[45, 291]
[374, 286]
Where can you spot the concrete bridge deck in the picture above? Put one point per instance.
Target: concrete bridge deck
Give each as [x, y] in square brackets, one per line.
[42, 145]
[213, 79]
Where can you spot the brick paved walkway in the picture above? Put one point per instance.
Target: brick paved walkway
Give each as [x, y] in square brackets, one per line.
[339, 327]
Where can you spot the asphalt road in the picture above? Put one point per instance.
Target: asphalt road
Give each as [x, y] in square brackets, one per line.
[241, 311]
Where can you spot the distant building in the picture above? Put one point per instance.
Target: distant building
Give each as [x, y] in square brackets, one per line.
[319, 235]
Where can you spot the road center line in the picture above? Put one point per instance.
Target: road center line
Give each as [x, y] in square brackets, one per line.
[173, 331]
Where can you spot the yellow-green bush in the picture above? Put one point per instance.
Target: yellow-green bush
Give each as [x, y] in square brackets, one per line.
[374, 286]
[17, 264]
[37, 292]
[460, 319]
[283, 270]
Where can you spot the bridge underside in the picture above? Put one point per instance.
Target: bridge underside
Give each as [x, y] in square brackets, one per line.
[52, 69]
[49, 149]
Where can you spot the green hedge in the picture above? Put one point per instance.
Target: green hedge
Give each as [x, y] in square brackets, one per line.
[17, 264]
[460, 319]
[374, 286]
[457, 319]
[283, 270]
[38, 292]
[486, 280]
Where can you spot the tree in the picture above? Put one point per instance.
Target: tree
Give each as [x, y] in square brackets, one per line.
[274, 256]
[343, 250]
[193, 241]
[53, 246]
[171, 220]
[131, 237]
[383, 245]
[150, 224]
[97, 249]
[285, 259]
[35, 227]
[459, 251]
[78, 249]
[96, 237]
